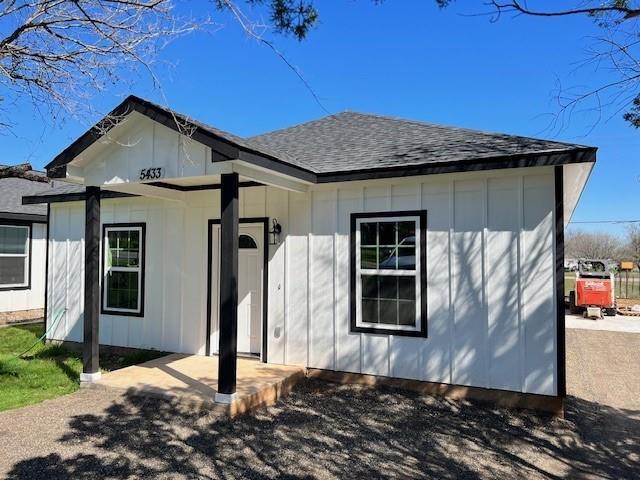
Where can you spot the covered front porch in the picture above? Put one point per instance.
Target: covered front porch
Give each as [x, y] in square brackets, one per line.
[147, 154]
[193, 379]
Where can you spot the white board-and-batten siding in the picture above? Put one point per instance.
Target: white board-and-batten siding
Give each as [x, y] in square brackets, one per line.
[32, 298]
[490, 277]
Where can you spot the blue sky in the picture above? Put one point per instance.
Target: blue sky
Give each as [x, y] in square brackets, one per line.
[407, 59]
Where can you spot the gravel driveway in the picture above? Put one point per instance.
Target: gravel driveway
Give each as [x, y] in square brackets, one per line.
[321, 431]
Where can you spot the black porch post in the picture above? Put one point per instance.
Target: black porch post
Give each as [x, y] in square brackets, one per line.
[228, 286]
[90, 363]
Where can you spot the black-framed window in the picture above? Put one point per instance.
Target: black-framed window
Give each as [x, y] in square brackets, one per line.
[123, 269]
[388, 273]
[15, 251]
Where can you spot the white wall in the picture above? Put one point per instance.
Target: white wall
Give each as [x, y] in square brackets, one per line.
[32, 298]
[143, 143]
[490, 276]
[175, 264]
[175, 273]
[490, 271]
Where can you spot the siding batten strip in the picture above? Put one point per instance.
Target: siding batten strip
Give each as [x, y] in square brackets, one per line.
[67, 304]
[335, 279]
[287, 300]
[452, 310]
[389, 337]
[521, 337]
[353, 301]
[209, 258]
[184, 251]
[421, 345]
[46, 269]
[285, 279]
[164, 213]
[485, 302]
[310, 276]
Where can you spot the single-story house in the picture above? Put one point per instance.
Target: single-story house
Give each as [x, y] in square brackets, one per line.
[354, 243]
[23, 244]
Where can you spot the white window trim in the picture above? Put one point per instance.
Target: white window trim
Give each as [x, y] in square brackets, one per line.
[414, 273]
[25, 255]
[106, 309]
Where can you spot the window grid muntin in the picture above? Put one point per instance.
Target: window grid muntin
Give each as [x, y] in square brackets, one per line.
[120, 250]
[381, 299]
[395, 247]
[138, 269]
[415, 273]
[24, 256]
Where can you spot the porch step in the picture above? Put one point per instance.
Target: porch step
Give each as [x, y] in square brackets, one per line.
[192, 380]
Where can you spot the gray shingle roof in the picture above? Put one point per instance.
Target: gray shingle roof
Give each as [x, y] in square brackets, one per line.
[338, 145]
[355, 141]
[13, 189]
[211, 136]
[248, 143]
[223, 134]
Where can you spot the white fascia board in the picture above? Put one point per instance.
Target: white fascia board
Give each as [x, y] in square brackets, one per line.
[74, 175]
[219, 168]
[145, 190]
[574, 181]
[269, 177]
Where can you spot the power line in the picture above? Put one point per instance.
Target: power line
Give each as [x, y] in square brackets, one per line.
[609, 221]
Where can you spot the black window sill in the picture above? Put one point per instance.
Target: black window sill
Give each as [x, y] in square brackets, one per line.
[121, 314]
[389, 331]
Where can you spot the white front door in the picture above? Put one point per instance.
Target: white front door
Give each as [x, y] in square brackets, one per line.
[250, 269]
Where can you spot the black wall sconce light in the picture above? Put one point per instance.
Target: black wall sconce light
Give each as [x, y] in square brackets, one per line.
[274, 233]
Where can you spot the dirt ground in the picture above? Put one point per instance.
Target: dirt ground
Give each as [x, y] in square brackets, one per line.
[604, 367]
[329, 431]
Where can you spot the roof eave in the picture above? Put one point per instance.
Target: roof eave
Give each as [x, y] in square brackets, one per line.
[22, 217]
[224, 149]
[70, 197]
[538, 159]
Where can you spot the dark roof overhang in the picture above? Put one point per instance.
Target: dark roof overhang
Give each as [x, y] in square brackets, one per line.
[222, 148]
[70, 197]
[578, 155]
[22, 217]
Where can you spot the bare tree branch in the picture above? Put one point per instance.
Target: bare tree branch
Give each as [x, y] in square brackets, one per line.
[617, 50]
[581, 244]
[250, 29]
[59, 53]
[619, 7]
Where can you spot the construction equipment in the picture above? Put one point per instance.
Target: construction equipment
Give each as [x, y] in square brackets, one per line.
[593, 293]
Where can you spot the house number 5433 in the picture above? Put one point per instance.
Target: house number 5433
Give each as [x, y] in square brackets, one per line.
[151, 173]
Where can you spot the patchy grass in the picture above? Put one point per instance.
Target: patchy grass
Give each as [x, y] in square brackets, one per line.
[47, 370]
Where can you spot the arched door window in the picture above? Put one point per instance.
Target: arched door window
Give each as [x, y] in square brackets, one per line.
[246, 241]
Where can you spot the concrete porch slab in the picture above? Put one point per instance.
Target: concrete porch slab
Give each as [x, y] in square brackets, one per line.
[193, 379]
